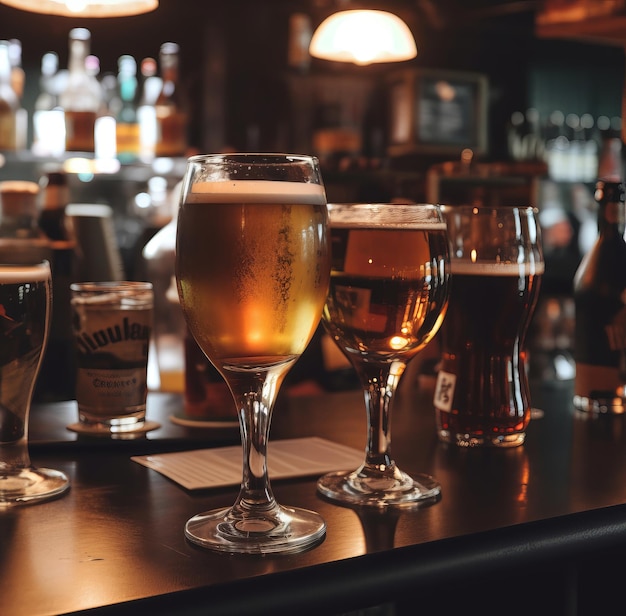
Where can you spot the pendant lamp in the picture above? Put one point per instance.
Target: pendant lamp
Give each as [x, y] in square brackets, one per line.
[85, 8]
[363, 37]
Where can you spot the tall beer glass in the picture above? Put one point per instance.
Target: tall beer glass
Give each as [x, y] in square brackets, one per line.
[482, 396]
[387, 299]
[25, 300]
[252, 268]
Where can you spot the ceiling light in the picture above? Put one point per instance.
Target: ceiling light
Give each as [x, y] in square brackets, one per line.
[85, 8]
[363, 37]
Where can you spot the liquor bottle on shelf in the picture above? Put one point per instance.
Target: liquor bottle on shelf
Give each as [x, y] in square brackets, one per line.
[52, 217]
[127, 123]
[48, 121]
[110, 106]
[9, 102]
[81, 97]
[171, 134]
[57, 375]
[146, 113]
[18, 78]
[600, 296]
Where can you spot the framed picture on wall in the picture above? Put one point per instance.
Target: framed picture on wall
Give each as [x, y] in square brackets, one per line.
[437, 112]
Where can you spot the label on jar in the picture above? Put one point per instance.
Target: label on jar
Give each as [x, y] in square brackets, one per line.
[103, 391]
[112, 356]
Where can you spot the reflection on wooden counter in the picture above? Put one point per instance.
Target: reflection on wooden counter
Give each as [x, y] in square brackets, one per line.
[550, 512]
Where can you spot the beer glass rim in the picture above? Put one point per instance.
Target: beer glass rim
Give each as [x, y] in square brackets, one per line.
[44, 263]
[393, 213]
[111, 285]
[448, 207]
[31, 267]
[258, 158]
[381, 204]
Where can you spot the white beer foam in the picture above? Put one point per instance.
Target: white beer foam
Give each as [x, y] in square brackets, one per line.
[256, 191]
[11, 274]
[470, 268]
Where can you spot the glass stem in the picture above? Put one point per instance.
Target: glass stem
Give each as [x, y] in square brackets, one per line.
[255, 394]
[379, 383]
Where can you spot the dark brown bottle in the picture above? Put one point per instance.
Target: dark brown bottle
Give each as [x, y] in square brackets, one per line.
[171, 121]
[57, 375]
[600, 298]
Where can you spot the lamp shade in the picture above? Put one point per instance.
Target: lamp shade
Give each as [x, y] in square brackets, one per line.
[363, 37]
[85, 8]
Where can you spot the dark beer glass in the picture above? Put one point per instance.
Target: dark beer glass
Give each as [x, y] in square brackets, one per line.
[25, 300]
[482, 396]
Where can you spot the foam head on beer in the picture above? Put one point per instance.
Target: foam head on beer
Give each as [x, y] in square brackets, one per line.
[257, 191]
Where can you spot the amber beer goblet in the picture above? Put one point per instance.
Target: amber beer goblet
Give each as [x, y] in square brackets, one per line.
[482, 396]
[252, 268]
[387, 299]
[25, 300]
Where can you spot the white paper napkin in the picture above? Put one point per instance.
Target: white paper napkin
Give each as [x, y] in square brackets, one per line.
[219, 467]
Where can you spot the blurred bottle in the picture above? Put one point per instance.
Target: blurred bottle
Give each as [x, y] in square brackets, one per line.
[57, 376]
[300, 34]
[48, 121]
[169, 324]
[590, 148]
[9, 102]
[55, 197]
[171, 133]
[110, 104]
[146, 113]
[48, 97]
[81, 97]
[127, 123]
[18, 78]
[600, 296]
[182, 365]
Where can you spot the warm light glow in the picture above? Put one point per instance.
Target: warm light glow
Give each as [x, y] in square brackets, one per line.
[397, 343]
[363, 37]
[91, 166]
[85, 8]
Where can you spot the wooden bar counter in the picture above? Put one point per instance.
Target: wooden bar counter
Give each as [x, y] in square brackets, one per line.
[536, 529]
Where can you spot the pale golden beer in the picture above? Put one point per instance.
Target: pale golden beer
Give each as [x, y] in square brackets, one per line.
[253, 273]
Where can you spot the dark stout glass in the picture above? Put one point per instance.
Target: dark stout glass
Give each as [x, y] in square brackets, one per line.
[24, 306]
[483, 340]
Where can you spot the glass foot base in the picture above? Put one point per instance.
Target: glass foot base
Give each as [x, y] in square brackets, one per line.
[482, 440]
[132, 422]
[31, 485]
[284, 530]
[399, 490]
